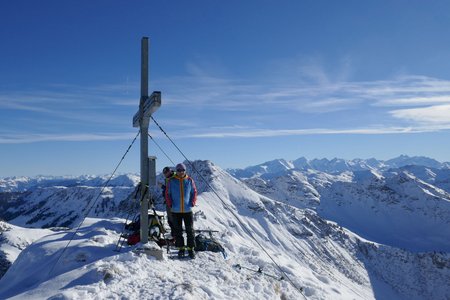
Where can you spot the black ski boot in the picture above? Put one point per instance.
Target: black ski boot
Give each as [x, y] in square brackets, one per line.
[191, 253]
[181, 253]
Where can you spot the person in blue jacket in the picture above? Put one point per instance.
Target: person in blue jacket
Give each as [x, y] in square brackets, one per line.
[181, 196]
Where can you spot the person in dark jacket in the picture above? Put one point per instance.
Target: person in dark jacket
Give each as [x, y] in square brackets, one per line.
[181, 196]
[168, 173]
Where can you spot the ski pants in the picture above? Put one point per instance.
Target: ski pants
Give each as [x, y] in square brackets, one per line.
[177, 219]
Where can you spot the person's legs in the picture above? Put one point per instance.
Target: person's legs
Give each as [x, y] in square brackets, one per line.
[177, 220]
[189, 224]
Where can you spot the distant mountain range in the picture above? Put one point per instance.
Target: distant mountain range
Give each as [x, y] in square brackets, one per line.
[336, 165]
[22, 184]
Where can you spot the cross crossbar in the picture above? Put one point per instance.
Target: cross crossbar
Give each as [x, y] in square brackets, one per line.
[151, 104]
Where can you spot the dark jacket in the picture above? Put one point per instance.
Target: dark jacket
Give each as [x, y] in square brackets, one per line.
[163, 187]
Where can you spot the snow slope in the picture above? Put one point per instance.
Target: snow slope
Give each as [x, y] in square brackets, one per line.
[13, 240]
[91, 269]
[328, 261]
[400, 210]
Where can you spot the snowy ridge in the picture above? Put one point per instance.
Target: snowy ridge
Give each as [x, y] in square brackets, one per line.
[329, 261]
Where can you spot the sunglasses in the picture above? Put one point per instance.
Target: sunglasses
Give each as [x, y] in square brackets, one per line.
[181, 170]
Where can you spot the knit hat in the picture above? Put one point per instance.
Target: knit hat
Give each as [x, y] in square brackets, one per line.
[181, 166]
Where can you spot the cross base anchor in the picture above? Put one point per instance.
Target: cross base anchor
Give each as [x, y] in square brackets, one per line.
[151, 249]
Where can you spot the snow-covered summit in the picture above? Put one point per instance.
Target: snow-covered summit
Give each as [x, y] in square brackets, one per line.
[327, 260]
[267, 168]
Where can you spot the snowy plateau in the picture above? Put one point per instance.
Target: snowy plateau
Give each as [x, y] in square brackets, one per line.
[333, 229]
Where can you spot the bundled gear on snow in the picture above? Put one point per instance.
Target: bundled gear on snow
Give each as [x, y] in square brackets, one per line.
[155, 229]
[203, 243]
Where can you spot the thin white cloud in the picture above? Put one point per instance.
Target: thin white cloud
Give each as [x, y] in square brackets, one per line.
[330, 105]
[19, 106]
[414, 101]
[217, 133]
[322, 96]
[294, 132]
[82, 137]
[255, 133]
[436, 114]
[201, 97]
[84, 104]
[201, 91]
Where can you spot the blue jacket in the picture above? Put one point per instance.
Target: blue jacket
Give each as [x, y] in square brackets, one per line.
[181, 194]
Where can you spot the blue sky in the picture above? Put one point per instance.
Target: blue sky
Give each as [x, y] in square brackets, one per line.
[242, 82]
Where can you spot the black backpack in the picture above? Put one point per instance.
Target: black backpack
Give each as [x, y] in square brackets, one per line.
[202, 243]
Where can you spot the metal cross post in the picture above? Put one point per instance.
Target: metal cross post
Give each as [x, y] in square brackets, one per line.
[147, 106]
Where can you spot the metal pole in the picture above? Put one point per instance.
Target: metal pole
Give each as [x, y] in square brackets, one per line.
[144, 141]
[144, 68]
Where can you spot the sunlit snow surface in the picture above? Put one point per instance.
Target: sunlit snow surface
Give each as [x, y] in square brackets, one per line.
[326, 260]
